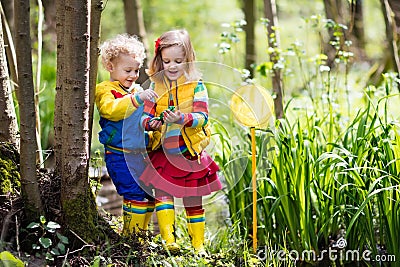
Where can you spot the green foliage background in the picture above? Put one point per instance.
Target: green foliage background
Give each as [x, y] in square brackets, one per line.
[204, 20]
[298, 166]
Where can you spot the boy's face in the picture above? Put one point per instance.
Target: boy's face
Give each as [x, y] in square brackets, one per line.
[124, 69]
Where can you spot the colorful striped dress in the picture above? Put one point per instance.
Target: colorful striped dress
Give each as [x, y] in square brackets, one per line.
[178, 167]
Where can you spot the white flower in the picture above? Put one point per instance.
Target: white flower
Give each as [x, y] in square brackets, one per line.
[323, 68]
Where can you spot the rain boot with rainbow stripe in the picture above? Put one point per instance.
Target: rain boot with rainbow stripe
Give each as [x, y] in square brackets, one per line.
[196, 225]
[134, 214]
[149, 214]
[166, 222]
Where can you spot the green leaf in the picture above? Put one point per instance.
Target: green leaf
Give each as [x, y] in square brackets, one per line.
[49, 256]
[8, 259]
[62, 238]
[35, 246]
[265, 68]
[53, 225]
[61, 247]
[33, 225]
[55, 251]
[42, 220]
[50, 230]
[96, 262]
[45, 242]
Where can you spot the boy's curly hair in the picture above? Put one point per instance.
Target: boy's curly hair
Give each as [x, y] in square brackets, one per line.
[122, 44]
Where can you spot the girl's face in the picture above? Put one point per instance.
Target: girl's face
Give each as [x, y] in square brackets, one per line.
[172, 59]
[124, 69]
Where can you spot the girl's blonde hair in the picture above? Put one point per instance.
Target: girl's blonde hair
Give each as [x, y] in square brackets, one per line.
[179, 38]
[122, 44]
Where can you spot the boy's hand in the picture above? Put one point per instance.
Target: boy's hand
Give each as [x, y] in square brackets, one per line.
[147, 95]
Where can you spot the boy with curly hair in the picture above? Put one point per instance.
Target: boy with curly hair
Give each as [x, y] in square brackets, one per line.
[120, 104]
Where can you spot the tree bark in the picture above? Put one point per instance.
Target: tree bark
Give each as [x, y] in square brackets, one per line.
[8, 8]
[395, 6]
[271, 14]
[58, 105]
[29, 183]
[8, 119]
[96, 9]
[39, 26]
[135, 26]
[10, 50]
[392, 31]
[249, 28]
[50, 11]
[332, 11]
[347, 13]
[356, 30]
[79, 208]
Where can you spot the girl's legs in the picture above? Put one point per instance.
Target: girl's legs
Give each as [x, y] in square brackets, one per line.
[196, 222]
[166, 219]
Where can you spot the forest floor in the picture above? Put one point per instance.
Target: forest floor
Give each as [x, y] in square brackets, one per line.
[16, 239]
[116, 250]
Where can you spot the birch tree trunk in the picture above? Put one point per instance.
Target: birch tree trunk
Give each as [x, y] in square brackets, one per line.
[78, 205]
[357, 28]
[58, 105]
[10, 50]
[392, 31]
[29, 183]
[96, 9]
[271, 14]
[8, 9]
[135, 26]
[332, 11]
[39, 26]
[249, 28]
[50, 13]
[8, 119]
[395, 6]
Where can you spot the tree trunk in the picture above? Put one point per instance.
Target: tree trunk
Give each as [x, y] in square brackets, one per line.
[10, 50]
[29, 183]
[8, 119]
[392, 31]
[58, 105]
[347, 13]
[271, 15]
[50, 16]
[96, 9]
[39, 27]
[8, 8]
[78, 205]
[356, 30]
[332, 11]
[135, 26]
[395, 6]
[249, 28]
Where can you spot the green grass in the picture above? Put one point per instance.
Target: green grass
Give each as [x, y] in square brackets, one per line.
[329, 170]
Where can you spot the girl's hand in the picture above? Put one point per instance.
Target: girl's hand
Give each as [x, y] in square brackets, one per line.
[147, 95]
[171, 117]
[155, 125]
